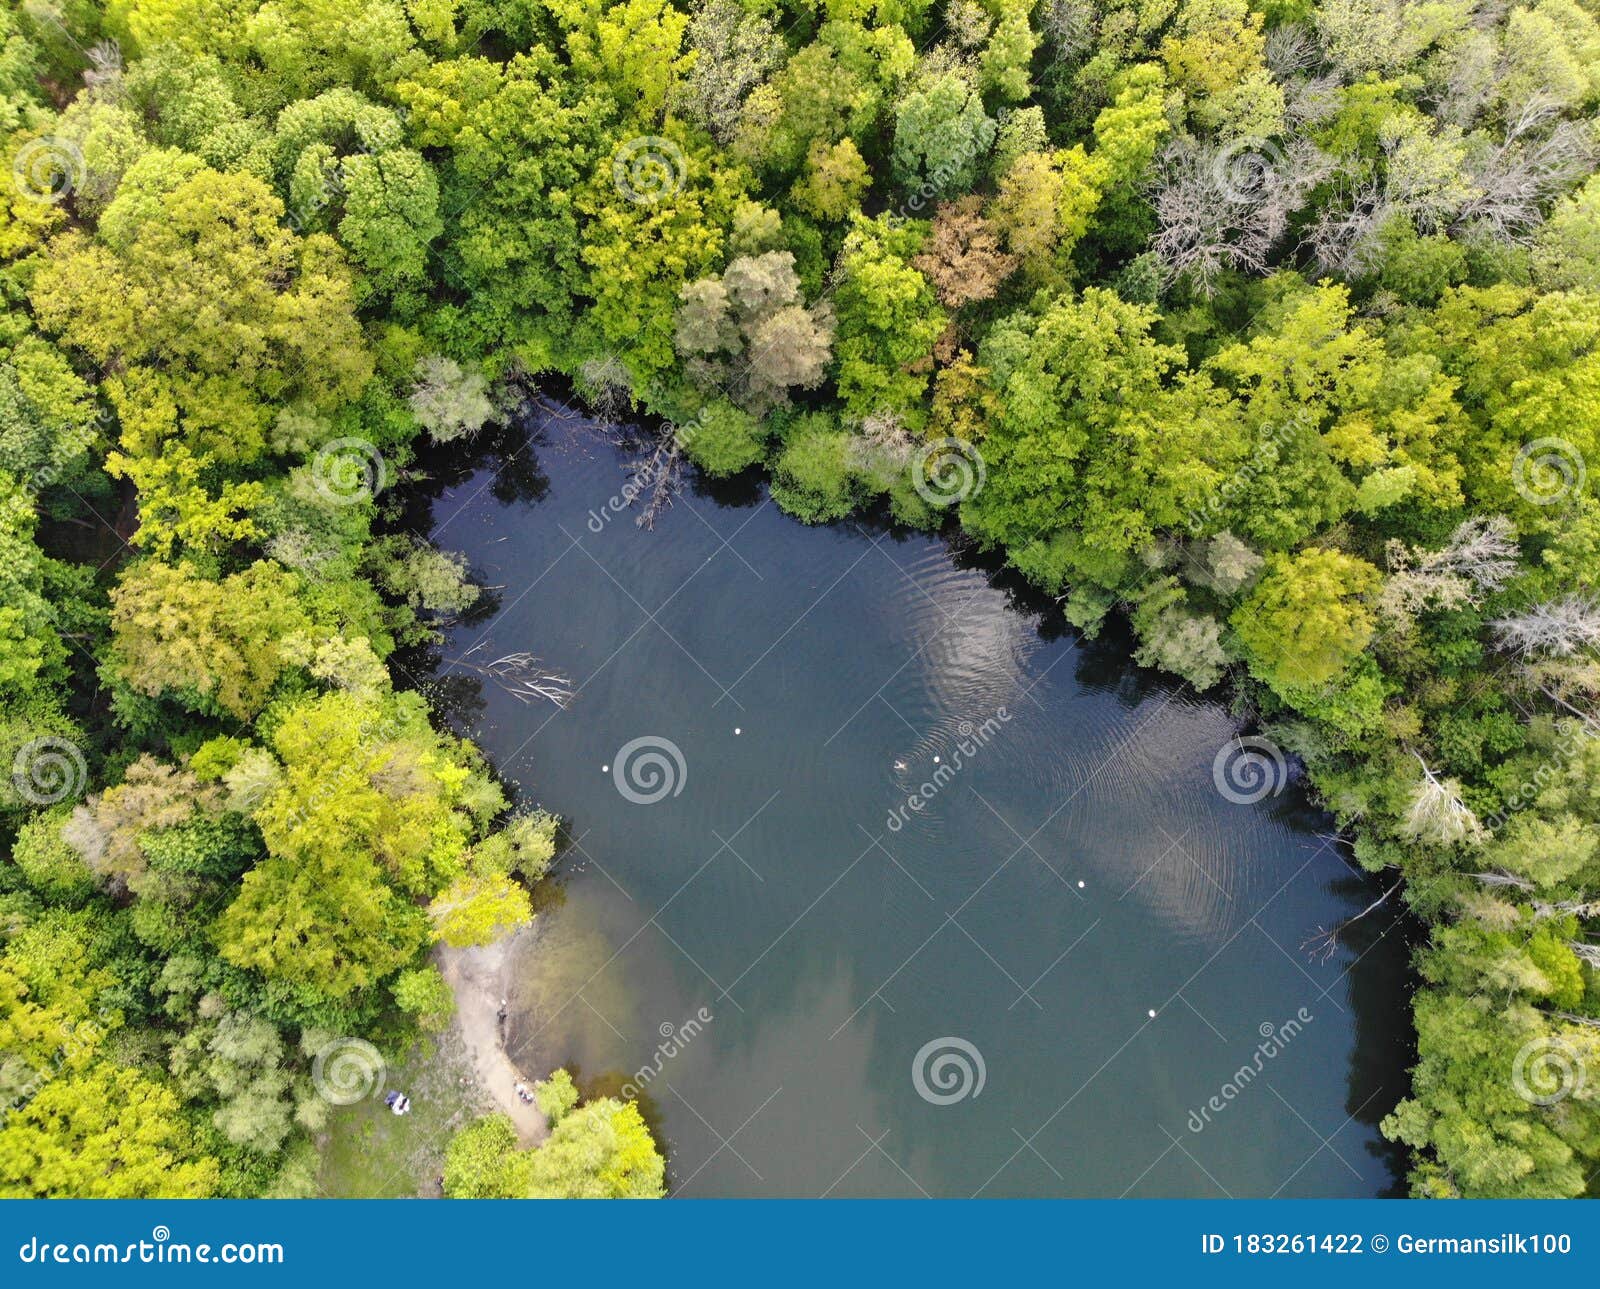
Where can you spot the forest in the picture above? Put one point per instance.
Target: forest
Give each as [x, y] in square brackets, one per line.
[1272, 326]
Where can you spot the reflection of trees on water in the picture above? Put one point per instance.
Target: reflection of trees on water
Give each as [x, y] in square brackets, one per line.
[457, 700]
[1105, 666]
[507, 447]
[1380, 985]
[549, 894]
[1021, 595]
[739, 492]
[485, 607]
[517, 476]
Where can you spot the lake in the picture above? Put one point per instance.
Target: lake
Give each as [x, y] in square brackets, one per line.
[1073, 967]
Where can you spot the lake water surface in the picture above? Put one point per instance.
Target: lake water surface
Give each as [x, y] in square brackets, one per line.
[825, 996]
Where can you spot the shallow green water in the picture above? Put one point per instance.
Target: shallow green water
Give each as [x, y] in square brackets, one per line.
[784, 958]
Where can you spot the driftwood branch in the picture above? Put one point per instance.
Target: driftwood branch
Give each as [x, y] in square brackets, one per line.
[520, 674]
[654, 473]
[1325, 940]
[657, 473]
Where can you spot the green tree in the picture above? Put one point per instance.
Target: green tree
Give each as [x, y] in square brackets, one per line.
[51, 866]
[1091, 453]
[601, 1150]
[1308, 618]
[479, 910]
[218, 643]
[888, 321]
[556, 1096]
[483, 1161]
[108, 1133]
[425, 994]
[518, 140]
[209, 312]
[941, 137]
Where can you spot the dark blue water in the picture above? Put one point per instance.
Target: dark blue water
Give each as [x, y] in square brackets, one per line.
[820, 989]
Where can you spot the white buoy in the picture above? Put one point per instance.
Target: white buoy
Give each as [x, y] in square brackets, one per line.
[1080, 886]
[936, 760]
[737, 730]
[1152, 1013]
[605, 769]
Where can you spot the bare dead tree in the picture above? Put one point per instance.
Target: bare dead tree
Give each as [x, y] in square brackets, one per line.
[1503, 189]
[1518, 177]
[1437, 813]
[1227, 207]
[1070, 25]
[655, 476]
[520, 674]
[654, 468]
[1484, 551]
[1291, 48]
[1343, 234]
[1308, 100]
[1478, 560]
[1561, 702]
[1502, 878]
[884, 448]
[1462, 93]
[1556, 628]
[607, 387]
[103, 76]
[1565, 908]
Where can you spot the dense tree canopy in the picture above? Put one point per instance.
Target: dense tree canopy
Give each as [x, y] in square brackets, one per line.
[1275, 327]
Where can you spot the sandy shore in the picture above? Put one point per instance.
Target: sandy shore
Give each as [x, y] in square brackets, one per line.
[478, 978]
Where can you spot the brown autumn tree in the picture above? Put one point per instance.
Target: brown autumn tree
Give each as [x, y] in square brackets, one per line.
[962, 256]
